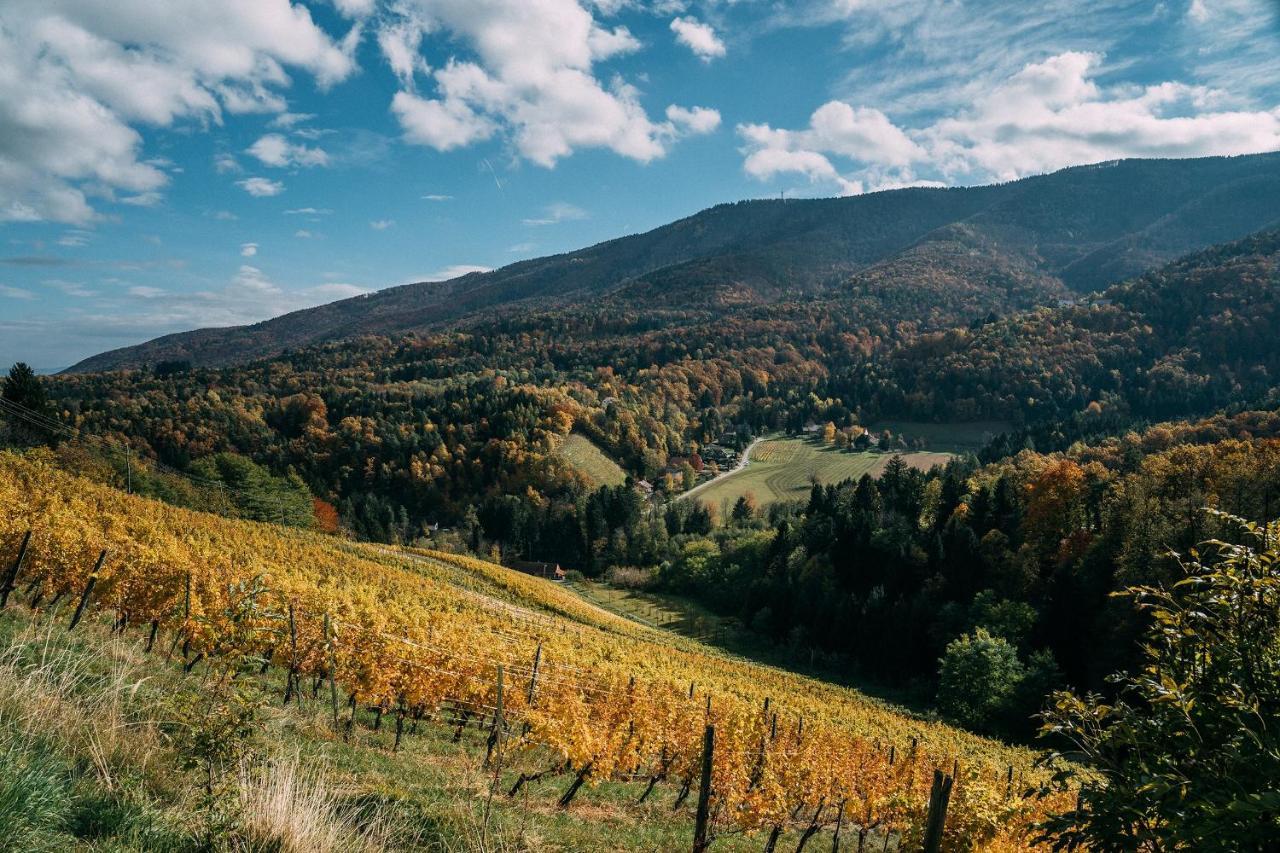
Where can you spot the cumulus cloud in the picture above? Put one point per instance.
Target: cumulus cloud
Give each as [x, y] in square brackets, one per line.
[275, 150]
[248, 250]
[528, 75]
[698, 37]
[76, 78]
[260, 187]
[1048, 115]
[696, 120]
[381, 224]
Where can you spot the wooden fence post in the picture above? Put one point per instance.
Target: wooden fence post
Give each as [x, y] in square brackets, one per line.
[88, 591]
[11, 579]
[939, 797]
[701, 840]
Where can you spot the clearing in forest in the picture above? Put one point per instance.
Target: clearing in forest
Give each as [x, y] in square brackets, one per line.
[580, 452]
[784, 469]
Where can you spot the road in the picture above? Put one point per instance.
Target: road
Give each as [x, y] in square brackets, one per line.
[742, 463]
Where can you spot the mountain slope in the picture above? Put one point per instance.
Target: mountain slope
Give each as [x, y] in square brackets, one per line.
[1078, 229]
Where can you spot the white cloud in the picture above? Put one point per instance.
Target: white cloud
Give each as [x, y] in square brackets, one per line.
[145, 292]
[529, 78]
[437, 197]
[309, 211]
[15, 292]
[288, 120]
[698, 37]
[225, 216]
[556, 213]
[381, 224]
[226, 164]
[248, 250]
[275, 150]
[440, 124]
[697, 120]
[454, 271]
[75, 78]
[146, 199]
[303, 234]
[1047, 116]
[261, 187]
[355, 8]
[399, 43]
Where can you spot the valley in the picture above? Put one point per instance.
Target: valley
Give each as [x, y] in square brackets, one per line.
[785, 469]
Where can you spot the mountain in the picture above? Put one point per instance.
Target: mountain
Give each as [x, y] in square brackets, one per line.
[996, 248]
[1193, 336]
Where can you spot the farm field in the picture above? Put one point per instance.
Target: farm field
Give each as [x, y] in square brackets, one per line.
[580, 452]
[783, 469]
[956, 438]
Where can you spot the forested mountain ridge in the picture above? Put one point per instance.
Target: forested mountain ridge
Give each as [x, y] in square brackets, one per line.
[1193, 336]
[398, 432]
[997, 248]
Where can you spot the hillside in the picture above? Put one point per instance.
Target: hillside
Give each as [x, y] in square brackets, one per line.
[1192, 336]
[421, 637]
[996, 248]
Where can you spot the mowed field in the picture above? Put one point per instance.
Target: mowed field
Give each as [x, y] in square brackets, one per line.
[783, 469]
[582, 454]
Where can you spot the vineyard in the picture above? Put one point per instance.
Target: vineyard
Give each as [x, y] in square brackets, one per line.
[563, 688]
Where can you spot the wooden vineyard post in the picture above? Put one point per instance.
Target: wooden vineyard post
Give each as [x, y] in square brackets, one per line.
[495, 737]
[533, 677]
[11, 579]
[88, 591]
[333, 687]
[291, 680]
[939, 797]
[701, 838]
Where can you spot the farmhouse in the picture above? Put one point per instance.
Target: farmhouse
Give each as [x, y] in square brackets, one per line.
[550, 571]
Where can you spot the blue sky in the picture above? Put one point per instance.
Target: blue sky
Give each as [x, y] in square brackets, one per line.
[172, 164]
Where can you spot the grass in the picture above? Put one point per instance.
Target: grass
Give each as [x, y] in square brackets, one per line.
[580, 452]
[660, 611]
[956, 438]
[783, 469]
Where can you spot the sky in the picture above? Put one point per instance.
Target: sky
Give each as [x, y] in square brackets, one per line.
[176, 164]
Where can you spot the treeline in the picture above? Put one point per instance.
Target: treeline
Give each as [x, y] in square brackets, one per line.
[1004, 573]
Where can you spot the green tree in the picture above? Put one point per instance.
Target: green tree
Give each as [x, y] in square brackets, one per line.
[23, 388]
[1187, 757]
[978, 675]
